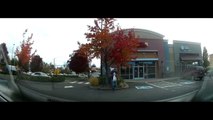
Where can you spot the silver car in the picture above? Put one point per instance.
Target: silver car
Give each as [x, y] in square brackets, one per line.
[40, 74]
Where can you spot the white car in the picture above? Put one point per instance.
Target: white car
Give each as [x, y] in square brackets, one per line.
[40, 74]
[82, 75]
[95, 74]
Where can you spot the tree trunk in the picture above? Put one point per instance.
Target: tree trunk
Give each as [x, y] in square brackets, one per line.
[118, 71]
[107, 70]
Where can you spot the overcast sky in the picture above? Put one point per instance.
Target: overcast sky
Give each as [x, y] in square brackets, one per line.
[56, 38]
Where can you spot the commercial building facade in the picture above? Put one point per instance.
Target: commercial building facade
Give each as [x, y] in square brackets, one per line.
[211, 59]
[186, 54]
[150, 60]
[160, 59]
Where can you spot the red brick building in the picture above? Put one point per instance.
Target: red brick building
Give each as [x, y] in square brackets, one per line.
[150, 60]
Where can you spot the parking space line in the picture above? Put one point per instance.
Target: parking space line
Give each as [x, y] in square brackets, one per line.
[73, 82]
[86, 83]
[80, 82]
[68, 86]
[143, 87]
[187, 82]
[164, 84]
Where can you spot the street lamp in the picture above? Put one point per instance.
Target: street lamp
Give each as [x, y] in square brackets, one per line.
[29, 66]
[11, 58]
[13, 55]
[54, 62]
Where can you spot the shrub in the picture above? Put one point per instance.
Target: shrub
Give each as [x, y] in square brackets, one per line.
[102, 80]
[121, 83]
[40, 78]
[57, 78]
[94, 81]
[120, 80]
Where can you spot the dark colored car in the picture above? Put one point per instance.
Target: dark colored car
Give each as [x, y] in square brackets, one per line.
[196, 72]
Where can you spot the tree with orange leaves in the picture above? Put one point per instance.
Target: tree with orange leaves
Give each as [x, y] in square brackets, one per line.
[100, 42]
[110, 44]
[124, 47]
[24, 54]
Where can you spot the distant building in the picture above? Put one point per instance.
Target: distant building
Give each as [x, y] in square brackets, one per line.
[160, 59]
[211, 59]
[171, 60]
[186, 54]
[151, 61]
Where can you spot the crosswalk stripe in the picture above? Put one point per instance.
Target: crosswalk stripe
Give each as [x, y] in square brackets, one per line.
[143, 87]
[80, 82]
[187, 82]
[86, 83]
[164, 84]
[68, 86]
[73, 82]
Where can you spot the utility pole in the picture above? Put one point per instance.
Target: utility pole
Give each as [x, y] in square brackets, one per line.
[11, 58]
[54, 62]
[29, 65]
[13, 55]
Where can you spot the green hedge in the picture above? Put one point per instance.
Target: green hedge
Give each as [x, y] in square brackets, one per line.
[6, 76]
[41, 79]
[58, 78]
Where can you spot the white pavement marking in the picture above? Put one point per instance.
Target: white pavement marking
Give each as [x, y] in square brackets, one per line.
[187, 82]
[143, 87]
[171, 84]
[86, 83]
[68, 86]
[154, 85]
[73, 82]
[164, 84]
[80, 82]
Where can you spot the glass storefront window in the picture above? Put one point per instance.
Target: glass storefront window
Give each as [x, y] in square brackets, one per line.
[139, 70]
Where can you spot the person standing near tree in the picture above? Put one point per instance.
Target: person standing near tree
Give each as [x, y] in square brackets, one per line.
[114, 81]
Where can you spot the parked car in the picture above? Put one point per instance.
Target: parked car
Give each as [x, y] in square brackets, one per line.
[8, 68]
[81, 75]
[40, 74]
[196, 72]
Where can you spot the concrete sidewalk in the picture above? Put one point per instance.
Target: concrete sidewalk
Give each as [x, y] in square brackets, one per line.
[153, 80]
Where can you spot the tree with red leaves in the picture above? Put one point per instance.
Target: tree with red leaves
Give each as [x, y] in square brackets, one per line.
[36, 63]
[112, 46]
[79, 62]
[100, 42]
[124, 47]
[24, 54]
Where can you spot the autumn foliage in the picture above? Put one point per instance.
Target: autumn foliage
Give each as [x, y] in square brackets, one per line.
[36, 63]
[24, 54]
[79, 62]
[111, 44]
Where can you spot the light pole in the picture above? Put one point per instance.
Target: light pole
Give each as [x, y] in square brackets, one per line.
[13, 55]
[11, 58]
[29, 66]
[54, 62]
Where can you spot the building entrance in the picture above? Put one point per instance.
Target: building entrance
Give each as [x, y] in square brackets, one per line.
[138, 72]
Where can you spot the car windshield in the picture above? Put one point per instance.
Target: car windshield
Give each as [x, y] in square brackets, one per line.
[106, 59]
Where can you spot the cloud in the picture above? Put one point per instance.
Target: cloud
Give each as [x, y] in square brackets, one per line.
[58, 36]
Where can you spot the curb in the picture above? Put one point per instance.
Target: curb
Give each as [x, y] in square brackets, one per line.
[181, 98]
